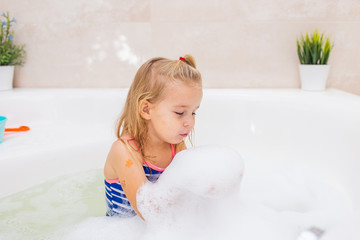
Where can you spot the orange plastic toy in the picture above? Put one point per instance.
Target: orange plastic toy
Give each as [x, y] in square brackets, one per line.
[19, 129]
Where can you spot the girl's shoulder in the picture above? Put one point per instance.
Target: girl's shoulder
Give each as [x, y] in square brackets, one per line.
[120, 155]
[125, 146]
[121, 150]
[119, 147]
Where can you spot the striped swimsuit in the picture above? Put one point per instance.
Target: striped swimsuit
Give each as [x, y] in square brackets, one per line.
[116, 201]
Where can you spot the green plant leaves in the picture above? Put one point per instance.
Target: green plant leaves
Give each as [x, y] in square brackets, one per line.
[312, 50]
[10, 53]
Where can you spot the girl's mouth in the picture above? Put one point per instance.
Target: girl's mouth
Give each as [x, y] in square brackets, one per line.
[184, 135]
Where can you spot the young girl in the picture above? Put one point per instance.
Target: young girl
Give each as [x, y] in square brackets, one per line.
[158, 115]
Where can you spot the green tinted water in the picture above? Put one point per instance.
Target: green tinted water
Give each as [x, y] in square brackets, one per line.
[43, 211]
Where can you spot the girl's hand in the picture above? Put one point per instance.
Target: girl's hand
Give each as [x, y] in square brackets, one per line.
[154, 199]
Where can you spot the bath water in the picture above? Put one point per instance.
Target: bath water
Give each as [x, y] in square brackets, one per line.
[273, 201]
[39, 212]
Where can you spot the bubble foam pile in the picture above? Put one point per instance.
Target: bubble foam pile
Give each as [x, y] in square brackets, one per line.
[206, 194]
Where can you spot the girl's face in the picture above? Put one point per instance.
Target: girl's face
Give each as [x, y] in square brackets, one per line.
[173, 117]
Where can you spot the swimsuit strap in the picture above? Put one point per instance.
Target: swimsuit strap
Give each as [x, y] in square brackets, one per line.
[172, 150]
[132, 141]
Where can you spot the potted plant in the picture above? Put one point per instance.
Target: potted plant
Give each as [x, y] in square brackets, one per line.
[10, 53]
[313, 51]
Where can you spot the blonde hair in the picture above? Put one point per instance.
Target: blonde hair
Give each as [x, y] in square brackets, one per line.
[149, 84]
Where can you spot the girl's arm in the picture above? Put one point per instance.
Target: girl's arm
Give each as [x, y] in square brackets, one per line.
[129, 171]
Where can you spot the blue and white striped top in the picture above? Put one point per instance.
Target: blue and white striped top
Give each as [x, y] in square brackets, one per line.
[117, 203]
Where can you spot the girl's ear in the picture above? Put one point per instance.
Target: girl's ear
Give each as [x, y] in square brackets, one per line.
[144, 109]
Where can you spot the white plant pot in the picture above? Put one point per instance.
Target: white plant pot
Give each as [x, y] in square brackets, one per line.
[6, 77]
[313, 77]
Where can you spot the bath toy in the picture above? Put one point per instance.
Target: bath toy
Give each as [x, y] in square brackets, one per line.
[19, 129]
[2, 127]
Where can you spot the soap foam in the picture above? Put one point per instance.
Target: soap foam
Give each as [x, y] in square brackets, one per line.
[199, 197]
[192, 175]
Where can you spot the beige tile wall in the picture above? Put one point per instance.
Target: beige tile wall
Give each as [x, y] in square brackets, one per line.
[237, 43]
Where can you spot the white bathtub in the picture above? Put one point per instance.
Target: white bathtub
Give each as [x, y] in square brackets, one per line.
[72, 130]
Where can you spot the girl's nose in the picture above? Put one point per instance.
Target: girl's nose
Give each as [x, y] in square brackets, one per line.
[189, 122]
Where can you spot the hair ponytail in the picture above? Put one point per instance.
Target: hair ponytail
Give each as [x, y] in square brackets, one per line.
[190, 60]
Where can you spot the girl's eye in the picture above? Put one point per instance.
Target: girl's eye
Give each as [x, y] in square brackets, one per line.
[194, 113]
[179, 113]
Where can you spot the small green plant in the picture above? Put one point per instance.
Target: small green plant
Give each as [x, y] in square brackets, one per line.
[314, 49]
[10, 53]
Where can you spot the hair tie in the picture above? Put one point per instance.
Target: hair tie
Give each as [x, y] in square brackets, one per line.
[182, 59]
